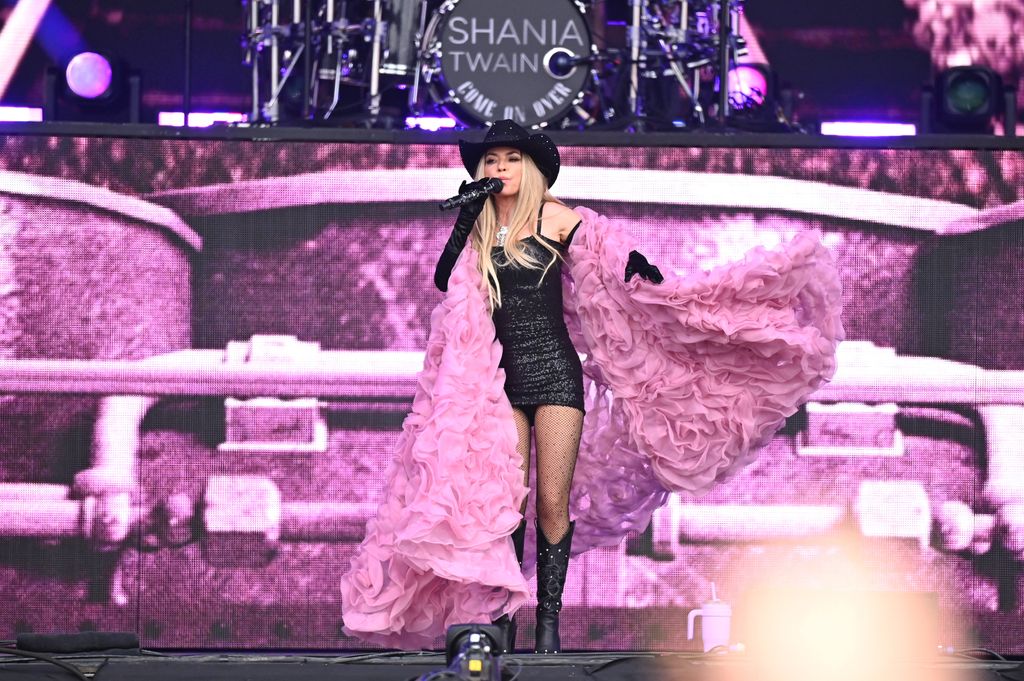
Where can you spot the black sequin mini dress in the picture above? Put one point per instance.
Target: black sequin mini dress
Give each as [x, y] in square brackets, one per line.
[541, 365]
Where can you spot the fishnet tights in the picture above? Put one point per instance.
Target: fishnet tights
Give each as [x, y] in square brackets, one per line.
[557, 432]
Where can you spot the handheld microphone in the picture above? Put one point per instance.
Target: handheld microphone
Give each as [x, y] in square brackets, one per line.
[490, 185]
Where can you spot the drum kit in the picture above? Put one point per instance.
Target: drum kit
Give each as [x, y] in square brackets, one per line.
[559, 64]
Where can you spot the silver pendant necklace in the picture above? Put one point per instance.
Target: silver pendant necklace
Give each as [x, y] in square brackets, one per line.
[502, 233]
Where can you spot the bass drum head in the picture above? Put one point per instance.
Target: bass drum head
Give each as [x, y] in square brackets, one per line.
[524, 60]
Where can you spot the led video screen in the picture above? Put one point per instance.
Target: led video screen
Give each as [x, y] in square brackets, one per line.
[122, 513]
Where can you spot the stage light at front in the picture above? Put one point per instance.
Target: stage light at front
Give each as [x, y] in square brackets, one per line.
[20, 114]
[472, 652]
[867, 129]
[199, 119]
[430, 123]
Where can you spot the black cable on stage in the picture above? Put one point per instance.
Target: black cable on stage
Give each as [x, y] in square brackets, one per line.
[45, 658]
[970, 654]
[362, 657]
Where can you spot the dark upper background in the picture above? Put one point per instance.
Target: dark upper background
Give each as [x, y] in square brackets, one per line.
[150, 37]
[863, 59]
[851, 59]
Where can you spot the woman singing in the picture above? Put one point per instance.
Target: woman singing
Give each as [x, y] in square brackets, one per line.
[683, 380]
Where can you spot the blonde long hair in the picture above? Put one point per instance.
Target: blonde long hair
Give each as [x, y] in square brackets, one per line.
[533, 191]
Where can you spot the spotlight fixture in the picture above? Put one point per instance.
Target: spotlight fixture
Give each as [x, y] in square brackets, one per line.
[756, 102]
[93, 86]
[90, 75]
[751, 86]
[967, 99]
[472, 652]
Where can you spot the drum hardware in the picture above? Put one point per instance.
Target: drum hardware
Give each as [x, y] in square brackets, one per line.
[404, 24]
[479, 61]
[414, 91]
[728, 27]
[263, 33]
[634, 57]
[275, 43]
[375, 55]
[338, 58]
[340, 67]
[605, 105]
[691, 41]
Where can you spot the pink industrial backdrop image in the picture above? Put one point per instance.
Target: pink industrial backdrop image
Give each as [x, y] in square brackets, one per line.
[899, 476]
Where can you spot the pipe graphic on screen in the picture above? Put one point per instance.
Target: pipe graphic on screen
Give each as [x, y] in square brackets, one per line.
[275, 299]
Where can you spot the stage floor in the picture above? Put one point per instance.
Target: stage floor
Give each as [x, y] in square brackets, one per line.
[411, 666]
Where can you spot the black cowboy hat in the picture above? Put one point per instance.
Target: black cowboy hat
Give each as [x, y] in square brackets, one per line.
[508, 133]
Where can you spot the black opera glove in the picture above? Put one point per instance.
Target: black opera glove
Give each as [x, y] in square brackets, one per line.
[468, 214]
[637, 264]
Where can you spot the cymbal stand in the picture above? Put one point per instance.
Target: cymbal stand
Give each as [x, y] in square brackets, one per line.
[336, 62]
[266, 33]
[250, 43]
[669, 38]
[262, 43]
[635, 30]
[725, 59]
[375, 55]
[605, 109]
[415, 106]
[661, 39]
[320, 41]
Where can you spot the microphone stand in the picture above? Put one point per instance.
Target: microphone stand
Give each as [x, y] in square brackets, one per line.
[186, 103]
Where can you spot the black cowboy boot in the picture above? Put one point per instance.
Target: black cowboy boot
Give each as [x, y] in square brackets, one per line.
[552, 564]
[508, 624]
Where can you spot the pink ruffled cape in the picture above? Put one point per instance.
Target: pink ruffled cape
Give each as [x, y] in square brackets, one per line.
[684, 381]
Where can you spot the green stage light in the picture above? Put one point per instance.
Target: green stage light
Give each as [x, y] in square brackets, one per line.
[967, 99]
[969, 94]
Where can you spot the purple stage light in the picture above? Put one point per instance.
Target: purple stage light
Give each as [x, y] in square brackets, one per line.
[198, 119]
[748, 85]
[20, 114]
[431, 123]
[867, 129]
[89, 75]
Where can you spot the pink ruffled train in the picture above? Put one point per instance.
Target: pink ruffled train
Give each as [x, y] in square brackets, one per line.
[684, 381]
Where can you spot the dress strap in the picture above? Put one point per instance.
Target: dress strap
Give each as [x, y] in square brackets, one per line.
[540, 213]
[568, 239]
